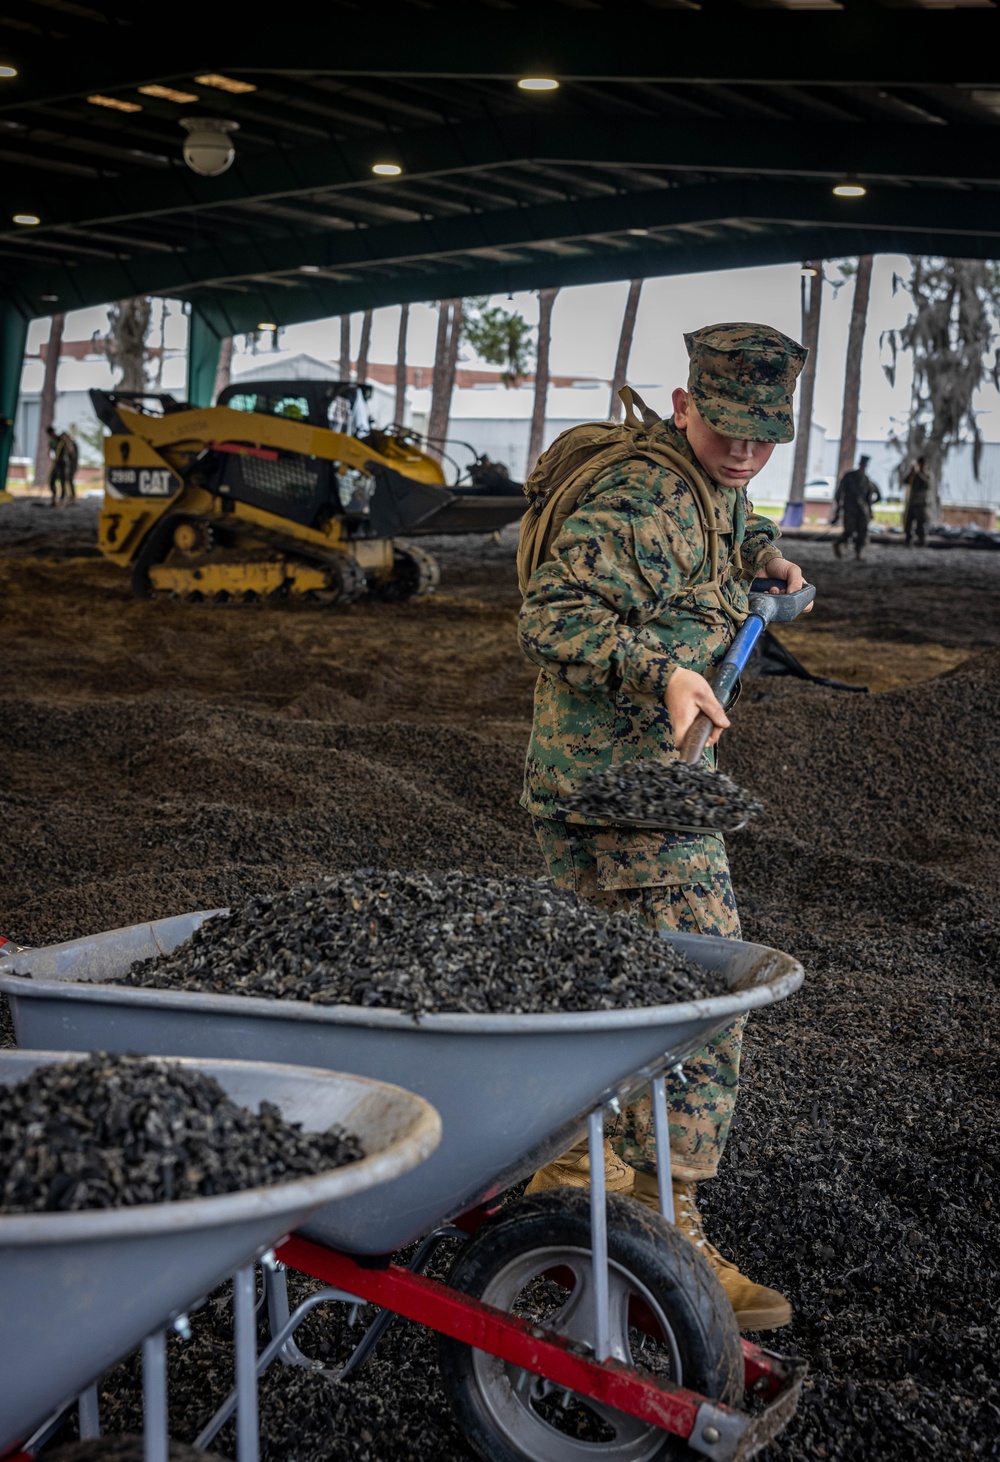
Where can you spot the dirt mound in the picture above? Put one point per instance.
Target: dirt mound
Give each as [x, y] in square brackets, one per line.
[176, 805]
[911, 774]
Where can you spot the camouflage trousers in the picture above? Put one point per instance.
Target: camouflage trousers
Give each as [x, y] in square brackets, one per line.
[669, 882]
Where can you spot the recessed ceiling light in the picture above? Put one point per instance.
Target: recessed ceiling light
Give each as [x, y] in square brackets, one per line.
[538, 83]
[225, 83]
[849, 190]
[638, 233]
[387, 169]
[113, 103]
[8, 70]
[168, 94]
[28, 219]
[809, 273]
[267, 325]
[308, 268]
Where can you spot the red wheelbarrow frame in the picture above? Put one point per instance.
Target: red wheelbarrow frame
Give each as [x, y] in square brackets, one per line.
[709, 1428]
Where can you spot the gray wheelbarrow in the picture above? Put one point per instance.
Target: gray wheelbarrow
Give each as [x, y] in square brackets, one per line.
[627, 1340]
[79, 1291]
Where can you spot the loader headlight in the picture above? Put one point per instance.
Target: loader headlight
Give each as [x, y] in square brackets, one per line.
[355, 489]
[208, 147]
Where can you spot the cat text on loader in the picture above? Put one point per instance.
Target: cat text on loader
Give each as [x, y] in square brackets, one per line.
[282, 488]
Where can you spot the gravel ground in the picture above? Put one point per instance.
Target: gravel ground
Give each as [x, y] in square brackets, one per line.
[157, 759]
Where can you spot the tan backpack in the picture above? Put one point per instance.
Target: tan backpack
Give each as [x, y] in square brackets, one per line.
[581, 456]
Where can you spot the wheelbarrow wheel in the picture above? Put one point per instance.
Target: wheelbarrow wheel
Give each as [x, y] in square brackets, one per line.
[669, 1316]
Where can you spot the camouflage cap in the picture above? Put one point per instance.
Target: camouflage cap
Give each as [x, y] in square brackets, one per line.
[742, 378]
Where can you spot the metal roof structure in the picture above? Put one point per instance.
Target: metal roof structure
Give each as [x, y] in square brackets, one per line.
[683, 137]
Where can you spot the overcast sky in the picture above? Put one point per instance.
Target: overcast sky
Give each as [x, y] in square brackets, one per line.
[586, 322]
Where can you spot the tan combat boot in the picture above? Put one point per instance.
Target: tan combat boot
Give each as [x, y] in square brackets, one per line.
[755, 1306]
[572, 1170]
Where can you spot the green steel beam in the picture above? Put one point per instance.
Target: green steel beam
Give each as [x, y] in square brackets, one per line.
[965, 152]
[319, 300]
[862, 44]
[13, 339]
[959, 217]
[206, 327]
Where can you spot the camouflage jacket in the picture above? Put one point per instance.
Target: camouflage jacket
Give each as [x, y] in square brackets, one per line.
[610, 616]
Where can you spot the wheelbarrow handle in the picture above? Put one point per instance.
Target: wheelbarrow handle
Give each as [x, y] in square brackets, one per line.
[764, 608]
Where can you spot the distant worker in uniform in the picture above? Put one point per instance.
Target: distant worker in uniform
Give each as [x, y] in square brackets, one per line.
[918, 498]
[63, 451]
[636, 605]
[854, 497]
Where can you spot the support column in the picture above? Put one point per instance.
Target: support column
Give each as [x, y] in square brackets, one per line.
[13, 339]
[204, 346]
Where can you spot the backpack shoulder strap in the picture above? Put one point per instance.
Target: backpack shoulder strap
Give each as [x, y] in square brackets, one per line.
[551, 504]
[544, 519]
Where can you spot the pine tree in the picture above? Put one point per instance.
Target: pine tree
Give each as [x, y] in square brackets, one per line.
[624, 347]
[365, 345]
[345, 348]
[500, 337]
[449, 333]
[399, 412]
[812, 302]
[852, 371]
[47, 404]
[536, 438]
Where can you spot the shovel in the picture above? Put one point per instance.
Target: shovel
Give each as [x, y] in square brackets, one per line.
[763, 608]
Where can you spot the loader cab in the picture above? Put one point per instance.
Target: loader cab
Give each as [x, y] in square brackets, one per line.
[340, 406]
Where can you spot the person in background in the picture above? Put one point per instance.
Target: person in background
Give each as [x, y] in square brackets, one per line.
[854, 498]
[918, 497]
[64, 455]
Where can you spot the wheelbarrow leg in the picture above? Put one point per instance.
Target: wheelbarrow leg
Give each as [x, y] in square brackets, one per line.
[245, 1334]
[154, 1398]
[661, 1133]
[276, 1292]
[89, 1410]
[599, 1235]
[365, 1347]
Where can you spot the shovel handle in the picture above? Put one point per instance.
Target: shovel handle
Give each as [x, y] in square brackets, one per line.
[694, 743]
[764, 607]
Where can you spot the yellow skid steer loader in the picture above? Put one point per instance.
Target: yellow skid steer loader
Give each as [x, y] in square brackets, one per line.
[283, 487]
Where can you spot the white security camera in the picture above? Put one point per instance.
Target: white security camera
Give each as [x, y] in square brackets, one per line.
[208, 147]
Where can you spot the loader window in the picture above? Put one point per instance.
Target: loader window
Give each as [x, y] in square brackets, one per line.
[294, 408]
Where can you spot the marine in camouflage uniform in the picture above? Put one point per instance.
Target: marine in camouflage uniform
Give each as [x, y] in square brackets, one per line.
[854, 497]
[625, 600]
[918, 500]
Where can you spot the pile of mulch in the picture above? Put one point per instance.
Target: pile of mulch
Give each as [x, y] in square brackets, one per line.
[863, 1171]
[911, 774]
[134, 809]
[427, 945]
[119, 1131]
